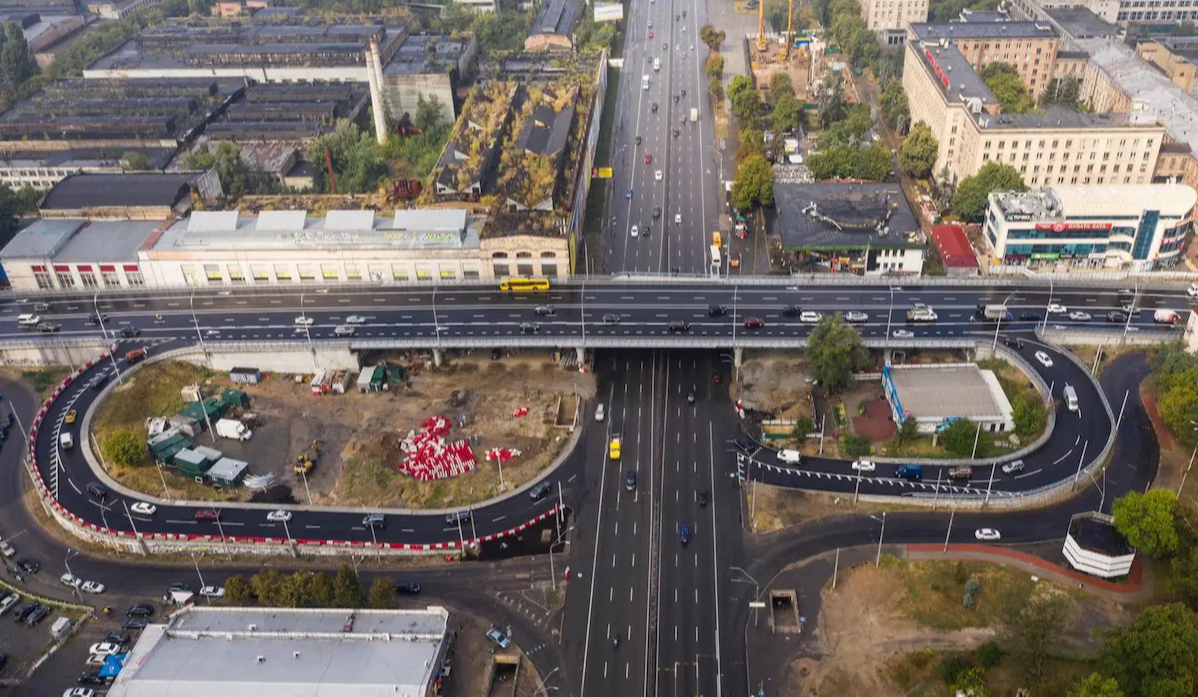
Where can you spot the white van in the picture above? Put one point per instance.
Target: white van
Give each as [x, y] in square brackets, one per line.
[790, 456]
[60, 628]
[1070, 398]
[644, 82]
[26, 321]
[66, 441]
[657, 64]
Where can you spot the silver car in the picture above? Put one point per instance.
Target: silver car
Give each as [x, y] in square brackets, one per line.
[343, 330]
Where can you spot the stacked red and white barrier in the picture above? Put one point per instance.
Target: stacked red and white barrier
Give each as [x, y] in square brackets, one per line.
[429, 456]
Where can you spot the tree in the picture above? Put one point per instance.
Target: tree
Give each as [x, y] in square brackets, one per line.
[1156, 655]
[124, 447]
[890, 65]
[226, 158]
[715, 66]
[1178, 406]
[803, 426]
[358, 161]
[831, 106]
[833, 162]
[907, 432]
[834, 351]
[429, 112]
[787, 114]
[237, 590]
[135, 161]
[754, 183]
[1004, 81]
[865, 48]
[918, 152]
[16, 63]
[971, 683]
[856, 446]
[14, 204]
[752, 142]
[711, 36]
[973, 193]
[1032, 628]
[958, 439]
[382, 593]
[320, 590]
[266, 586]
[1147, 521]
[896, 112]
[716, 87]
[780, 83]
[746, 104]
[871, 162]
[1065, 91]
[347, 589]
[1095, 685]
[776, 14]
[1029, 414]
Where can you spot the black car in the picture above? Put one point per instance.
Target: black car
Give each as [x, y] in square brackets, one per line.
[690, 396]
[716, 310]
[630, 480]
[1116, 317]
[746, 446]
[100, 381]
[407, 587]
[3, 659]
[91, 677]
[48, 327]
[1029, 317]
[94, 320]
[540, 490]
[132, 623]
[679, 327]
[657, 211]
[117, 638]
[38, 615]
[140, 610]
[653, 107]
[529, 327]
[638, 140]
[26, 610]
[97, 491]
[703, 497]
[29, 566]
[130, 332]
[791, 311]
[7, 421]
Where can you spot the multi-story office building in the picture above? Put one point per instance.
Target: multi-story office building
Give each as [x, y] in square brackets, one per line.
[1122, 11]
[1031, 47]
[1137, 227]
[889, 18]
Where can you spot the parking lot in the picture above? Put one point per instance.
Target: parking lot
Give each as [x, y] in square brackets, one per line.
[23, 644]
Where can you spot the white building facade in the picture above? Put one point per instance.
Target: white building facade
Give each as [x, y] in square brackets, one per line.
[1136, 227]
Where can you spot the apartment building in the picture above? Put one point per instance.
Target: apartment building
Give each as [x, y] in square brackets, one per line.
[1137, 227]
[1058, 147]
[1123, 12]
[889, 18]
[1177, 57]
[1031, 47]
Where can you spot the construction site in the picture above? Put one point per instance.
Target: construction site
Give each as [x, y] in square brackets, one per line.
[789, 53]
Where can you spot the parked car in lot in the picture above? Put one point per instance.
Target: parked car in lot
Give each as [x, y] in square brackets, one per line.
[29, 566]
[140, 610]
[70, 580]
[38, 615]
[79, 692]
[104, 649]
[8, 601]
[133, 623]
[117, 638]
[91, 677]
[26, 610]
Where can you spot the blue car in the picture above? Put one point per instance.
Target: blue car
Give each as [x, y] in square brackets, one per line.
[628, 194]
[684, 534]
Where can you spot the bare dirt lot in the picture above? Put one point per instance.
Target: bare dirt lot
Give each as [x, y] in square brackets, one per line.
[359, 434]
[882, 630]
[775, 381]
[775, 508]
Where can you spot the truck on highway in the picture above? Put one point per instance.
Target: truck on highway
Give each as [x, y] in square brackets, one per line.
[1166, 317]
[912, 472]
[921, 313]
[694, 114]
[994, 313]
[235, 430]
[960, 473]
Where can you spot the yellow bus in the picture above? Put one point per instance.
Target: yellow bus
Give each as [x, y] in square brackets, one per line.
[524, 285]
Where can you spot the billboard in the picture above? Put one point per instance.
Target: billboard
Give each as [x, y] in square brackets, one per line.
[609, 12]
[1072, 227]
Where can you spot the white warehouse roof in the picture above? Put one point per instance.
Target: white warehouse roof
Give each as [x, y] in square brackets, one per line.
[272, 652]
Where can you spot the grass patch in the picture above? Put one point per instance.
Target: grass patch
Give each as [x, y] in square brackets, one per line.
[917, 674]
[370, 480]
[44, 380]
[935, 591]
[151, 391]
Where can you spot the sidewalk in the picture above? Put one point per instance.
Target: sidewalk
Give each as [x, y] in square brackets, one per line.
[1139, 586]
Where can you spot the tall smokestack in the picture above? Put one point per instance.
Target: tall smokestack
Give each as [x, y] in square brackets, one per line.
[374, 73]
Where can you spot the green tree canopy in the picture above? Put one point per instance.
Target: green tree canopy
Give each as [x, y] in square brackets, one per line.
[14, 204]
[958, 439]
[1155, 656]
[834, 351]
[1064, 90]
[320, 590]
[134, 161]
[1032, 628]
[973, 193]
[382, 593]
[16, 62]
[124, 447]
[971, 683]
[919, 151]
[237, 590]
[1095, 685]
[1029, 414]
[1147, 521]
[711, 36]
[357, 160]
[347, 588]
[266, 586]
[871, 162]
[896, 112]
[1178, 406]
[1004, 81]
[754, 183]
[746, 104]
[715, 66]
[226, 158]
[831, 106]
[787, 114]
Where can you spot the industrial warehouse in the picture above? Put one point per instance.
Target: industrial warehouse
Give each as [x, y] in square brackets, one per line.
[940, 394]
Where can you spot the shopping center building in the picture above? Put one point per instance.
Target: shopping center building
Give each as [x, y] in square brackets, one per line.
[1127, 227]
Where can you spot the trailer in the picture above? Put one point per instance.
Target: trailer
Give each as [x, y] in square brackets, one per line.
[234, 430]
[994, 313]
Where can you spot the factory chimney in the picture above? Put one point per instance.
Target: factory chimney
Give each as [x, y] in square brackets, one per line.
[374, 73]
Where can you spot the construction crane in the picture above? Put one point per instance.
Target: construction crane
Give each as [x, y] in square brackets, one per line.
[761, 25]
[790, 20]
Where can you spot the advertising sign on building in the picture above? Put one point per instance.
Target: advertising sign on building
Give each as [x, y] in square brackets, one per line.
[1073, 227]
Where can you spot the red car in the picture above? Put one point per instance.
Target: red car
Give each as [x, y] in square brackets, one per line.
[207, 514]
[648, 159]
[650, 33]
[754, 323]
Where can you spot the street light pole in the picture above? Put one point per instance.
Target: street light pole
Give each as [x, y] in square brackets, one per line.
[756, 589]
[889, 313]
[200, 576]
[195, 322]
[878, 560]
[66, 561]
[130, 517]
[111, 354]
[952, 514]
[994, 344]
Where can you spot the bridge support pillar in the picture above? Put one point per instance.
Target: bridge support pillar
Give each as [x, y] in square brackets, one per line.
[438, 357]
[738, 355]
[582, 356]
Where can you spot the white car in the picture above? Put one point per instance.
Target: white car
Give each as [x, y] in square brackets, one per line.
[635, 231]
[79, 692]
[903, 334]
[1192, 291]
[105, 649]
[92, 587]
[1057, 309]
[69, 580]
[657, 175]
[864, 466]
[1079, 316]
[213, 591]
[856, 317]
[143, 508]
[987, 534]
[304, 321]
[8, 602]
[1044, 359]
[599, 413]
[677, 218]
[355, 319]
[343, 330]
[279, 516]
[809, 317]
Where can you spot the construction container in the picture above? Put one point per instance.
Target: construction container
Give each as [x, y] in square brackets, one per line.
[245, 376]
[228, 472]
